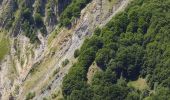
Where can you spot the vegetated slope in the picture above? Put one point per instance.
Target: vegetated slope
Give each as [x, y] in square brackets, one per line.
[25, 24]
[4, 44]
[134, 44]
[95, 14]
[33, 68]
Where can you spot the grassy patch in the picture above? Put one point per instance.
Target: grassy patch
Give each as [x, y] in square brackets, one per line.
[57, 95]
[139, 84]
[4, 45]
[53, 35]
[56, 71]
[38, 74]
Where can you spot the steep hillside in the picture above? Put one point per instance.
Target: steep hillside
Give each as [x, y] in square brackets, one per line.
[128, 59]
[38, 39]
[84, 49]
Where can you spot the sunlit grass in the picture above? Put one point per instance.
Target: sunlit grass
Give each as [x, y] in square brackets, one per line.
[139, 84]
[4, 45]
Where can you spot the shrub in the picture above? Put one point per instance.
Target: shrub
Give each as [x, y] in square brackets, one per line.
[38, 20]
[102, 57]
[26, 13]
[97, 31]
[55, 71]
[76, 53]
[30, 96]
[65, 62]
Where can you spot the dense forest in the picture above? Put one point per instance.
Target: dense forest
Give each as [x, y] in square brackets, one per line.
[134, 45]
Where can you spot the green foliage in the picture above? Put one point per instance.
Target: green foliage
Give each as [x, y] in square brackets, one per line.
[86, 58]
[77, 74]
[28, 31]
[82, 94]
[133, 96]
[97, 31]
[94, 43]
[76, 53]
[27, 24]
[27, 13]
[30, 96]
[111, 92]
[38, 20]
[9, 23]
[30, 24]
[129, 61]
[4, 45]
[45, 98]
[161, 94]
[65, 62]
[103, 56]
[55, 72]
[72, 11]
[135, 43]
[66, 22]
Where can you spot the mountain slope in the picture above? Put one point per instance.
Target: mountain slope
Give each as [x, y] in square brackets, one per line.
[39, 45]
[128, 59]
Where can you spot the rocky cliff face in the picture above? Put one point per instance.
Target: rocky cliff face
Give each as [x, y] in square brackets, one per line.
[37, 67]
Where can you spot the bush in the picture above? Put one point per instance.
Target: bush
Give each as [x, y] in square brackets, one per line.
[66, 22]
[55, 71]
[65, 62]
[97, 31]
[38, 20]
[76, 53]
[28, 24]
[139, 39]
[102, 57]
[27, 13]
[30, 96]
